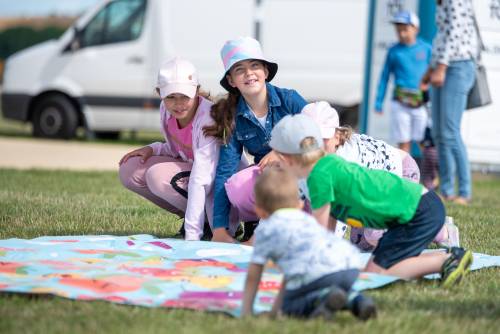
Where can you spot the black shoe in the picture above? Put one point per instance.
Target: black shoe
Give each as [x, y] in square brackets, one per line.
[249, 228]
[207, 232]
[363, 307]
[333, 302]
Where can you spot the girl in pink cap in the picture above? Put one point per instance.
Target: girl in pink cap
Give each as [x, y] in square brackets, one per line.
[177, 175]
[243, 121]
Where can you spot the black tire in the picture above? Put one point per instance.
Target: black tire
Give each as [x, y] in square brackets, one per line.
[55, 117]
[111, 135]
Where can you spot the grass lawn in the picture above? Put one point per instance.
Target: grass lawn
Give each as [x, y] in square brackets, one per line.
[37, 203]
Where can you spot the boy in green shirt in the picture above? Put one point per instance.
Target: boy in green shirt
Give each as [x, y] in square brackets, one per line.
[370, 198]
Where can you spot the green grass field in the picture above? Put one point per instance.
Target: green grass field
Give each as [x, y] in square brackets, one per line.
[37, 203]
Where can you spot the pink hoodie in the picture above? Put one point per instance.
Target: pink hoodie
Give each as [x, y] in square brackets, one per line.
[206, 155]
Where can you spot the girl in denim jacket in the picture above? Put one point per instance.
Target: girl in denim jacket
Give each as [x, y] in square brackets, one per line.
[244, 120]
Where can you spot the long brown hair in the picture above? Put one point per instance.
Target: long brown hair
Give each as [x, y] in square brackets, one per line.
[223, 113]
[345, 133]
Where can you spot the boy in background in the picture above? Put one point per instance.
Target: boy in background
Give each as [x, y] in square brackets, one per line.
[408, 61]
[319, 268]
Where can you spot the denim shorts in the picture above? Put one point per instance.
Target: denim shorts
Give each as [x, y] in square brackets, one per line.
[402, 241]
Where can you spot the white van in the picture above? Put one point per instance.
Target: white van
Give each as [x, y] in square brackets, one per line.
[101, 73]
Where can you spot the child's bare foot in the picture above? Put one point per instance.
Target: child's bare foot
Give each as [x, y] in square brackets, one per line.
[461, 200]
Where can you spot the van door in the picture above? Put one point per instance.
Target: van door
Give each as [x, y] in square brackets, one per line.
[110, 67]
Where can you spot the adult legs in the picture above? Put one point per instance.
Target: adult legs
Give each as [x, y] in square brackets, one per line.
[448, 106]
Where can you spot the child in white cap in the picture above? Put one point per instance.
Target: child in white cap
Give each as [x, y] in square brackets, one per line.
[177, 174]
[407, 61]
[365, 151]
[317, 280]
[244, 120]
[377, 199]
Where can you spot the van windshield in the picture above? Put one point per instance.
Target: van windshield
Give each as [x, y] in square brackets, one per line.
[119, 21]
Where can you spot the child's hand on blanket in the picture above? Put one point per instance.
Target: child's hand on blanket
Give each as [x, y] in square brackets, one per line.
[222, 235]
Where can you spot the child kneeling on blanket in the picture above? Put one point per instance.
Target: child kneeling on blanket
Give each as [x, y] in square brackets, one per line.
[377, 199]
[319, 268]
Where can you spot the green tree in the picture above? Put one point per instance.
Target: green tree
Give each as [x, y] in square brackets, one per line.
[18, 38]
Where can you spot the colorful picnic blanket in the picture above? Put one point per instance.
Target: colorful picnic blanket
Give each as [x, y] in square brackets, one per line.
[143, 270]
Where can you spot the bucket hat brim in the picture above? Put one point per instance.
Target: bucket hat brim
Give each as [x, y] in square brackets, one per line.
[271, 67]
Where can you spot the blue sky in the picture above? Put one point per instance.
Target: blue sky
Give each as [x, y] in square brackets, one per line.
[43, 7]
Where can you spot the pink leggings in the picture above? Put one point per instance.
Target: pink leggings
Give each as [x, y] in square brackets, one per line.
[152, 179]
[239, 189]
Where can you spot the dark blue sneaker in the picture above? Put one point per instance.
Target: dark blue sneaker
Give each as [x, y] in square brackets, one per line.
[363, 307]
[335, 300]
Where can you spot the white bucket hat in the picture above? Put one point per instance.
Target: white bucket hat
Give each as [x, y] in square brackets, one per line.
[243, 48]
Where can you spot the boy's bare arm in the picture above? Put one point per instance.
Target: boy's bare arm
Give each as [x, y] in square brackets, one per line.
[279, 300]
[332, 223]
[251, 286]
[322, 215]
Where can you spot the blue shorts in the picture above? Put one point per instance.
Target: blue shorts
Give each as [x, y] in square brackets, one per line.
[402, 241]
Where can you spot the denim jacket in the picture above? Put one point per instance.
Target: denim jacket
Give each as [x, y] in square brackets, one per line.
[249, 134]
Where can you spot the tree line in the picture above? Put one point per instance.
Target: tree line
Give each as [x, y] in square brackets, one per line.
[17, 38]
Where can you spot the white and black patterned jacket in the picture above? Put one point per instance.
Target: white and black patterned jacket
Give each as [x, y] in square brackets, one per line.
[456, 38]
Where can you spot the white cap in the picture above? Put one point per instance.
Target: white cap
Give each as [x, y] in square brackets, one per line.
[291, 130]
[406, 17]
[324, 116]
[177, 76]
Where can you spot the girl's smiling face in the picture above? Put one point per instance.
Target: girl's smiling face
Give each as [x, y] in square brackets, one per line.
[181, 107]
[249, 76]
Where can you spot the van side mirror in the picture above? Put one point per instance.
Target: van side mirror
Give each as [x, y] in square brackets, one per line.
[75, 43]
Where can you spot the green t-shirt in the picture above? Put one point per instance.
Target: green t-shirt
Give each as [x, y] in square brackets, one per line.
[362, 197]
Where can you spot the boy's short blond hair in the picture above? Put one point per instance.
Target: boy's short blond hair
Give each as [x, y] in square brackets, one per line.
[276, 188]
[312, 153]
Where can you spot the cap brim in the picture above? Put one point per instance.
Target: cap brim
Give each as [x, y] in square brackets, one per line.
[188, 90]
[403, 22]
[271, 67]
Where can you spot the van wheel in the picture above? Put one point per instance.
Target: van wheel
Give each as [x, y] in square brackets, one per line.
[55, 117]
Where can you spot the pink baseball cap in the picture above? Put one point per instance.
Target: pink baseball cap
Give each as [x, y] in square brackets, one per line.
[177, 75]
[325, 116]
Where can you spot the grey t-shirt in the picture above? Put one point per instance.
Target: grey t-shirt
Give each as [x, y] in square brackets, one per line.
[302, 248]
